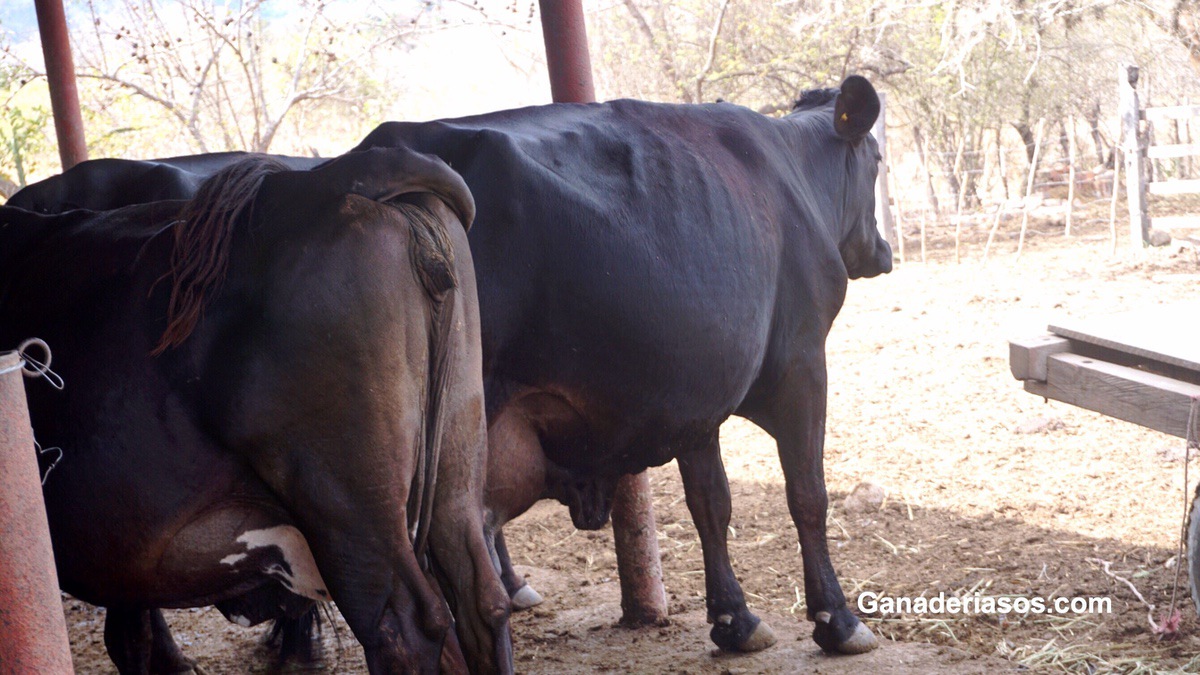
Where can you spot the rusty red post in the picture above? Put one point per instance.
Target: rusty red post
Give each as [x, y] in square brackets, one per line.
[643, 600]
[567, 58]
[33, 632]
[60, 73]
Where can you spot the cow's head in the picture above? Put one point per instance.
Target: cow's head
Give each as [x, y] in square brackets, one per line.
[855, 110]
[855, 107]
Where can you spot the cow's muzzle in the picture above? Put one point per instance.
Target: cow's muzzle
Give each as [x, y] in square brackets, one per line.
[879, 262]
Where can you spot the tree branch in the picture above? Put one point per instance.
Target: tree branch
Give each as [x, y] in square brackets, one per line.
[712, 51]
[664, 58]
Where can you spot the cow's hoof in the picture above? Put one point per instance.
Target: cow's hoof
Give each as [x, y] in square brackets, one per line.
[760, 639]
[741, 632]
[861, 642]
[526, 597]
[842, 633]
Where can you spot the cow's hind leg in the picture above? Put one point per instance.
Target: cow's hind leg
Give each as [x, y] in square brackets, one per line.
[523, 595]
[139, 642]
[795, 416]
[463, 564]
[707, 491]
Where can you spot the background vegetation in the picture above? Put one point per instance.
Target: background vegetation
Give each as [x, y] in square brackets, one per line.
[967, 80]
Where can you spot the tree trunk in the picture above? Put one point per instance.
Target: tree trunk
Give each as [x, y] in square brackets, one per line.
[1027, 136]
[1093, 119]
[930, 193]
[1024, 125]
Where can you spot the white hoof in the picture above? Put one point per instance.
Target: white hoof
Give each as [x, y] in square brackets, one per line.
[760, 639]
[526, 598]
[861, 642]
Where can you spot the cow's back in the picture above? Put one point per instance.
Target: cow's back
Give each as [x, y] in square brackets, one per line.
[629, 254]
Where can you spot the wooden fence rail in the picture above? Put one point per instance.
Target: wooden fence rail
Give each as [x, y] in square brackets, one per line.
[1136, 144]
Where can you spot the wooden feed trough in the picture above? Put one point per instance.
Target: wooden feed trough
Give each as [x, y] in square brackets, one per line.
[1141, 366]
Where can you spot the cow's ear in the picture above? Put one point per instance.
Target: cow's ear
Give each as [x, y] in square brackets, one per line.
[856, 108]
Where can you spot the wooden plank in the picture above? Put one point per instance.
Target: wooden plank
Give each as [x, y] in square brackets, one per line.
[1171, 112]
[1175, 222]
[1153, 401]
[1166, 333]
[1027, 356]
[1170, 151]
[1174, 187]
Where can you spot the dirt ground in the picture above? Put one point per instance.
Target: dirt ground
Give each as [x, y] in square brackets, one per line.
[922, 404]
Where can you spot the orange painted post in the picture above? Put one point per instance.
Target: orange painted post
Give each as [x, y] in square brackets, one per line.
[60, 73]
[567, 57]
[33, 632]
[643, 600]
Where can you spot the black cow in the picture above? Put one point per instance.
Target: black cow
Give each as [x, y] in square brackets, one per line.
[273, 397]
[109, 183]
[646, 271]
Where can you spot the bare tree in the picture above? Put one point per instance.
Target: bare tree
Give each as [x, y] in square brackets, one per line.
[1178, 18]
[223, 71]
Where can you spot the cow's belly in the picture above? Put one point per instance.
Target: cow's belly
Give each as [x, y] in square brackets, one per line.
[232, 548]
[155, 532]
[224, 552]
[561, 444]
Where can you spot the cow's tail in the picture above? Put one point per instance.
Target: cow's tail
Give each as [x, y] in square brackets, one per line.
[297, 638]
[432, 255]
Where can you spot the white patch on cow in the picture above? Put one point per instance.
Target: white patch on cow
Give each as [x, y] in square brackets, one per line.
[241, 620]
[304, 578]
[233, 558]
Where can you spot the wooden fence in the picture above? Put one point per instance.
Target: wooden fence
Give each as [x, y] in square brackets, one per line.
[1138, 147]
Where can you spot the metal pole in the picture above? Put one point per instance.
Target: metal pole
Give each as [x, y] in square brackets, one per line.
[567, 58]
[33, 632]
[643, 600]
[60, 72]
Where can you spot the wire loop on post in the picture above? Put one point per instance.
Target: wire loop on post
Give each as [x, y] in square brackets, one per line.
[33, 367]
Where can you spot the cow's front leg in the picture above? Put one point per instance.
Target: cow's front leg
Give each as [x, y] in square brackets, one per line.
[734, 629]
[797, 421]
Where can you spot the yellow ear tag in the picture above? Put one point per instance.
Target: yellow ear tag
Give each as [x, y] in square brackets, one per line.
[845, 117]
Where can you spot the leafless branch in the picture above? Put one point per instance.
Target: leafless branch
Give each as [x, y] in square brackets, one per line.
[712, 51]
[664, 56]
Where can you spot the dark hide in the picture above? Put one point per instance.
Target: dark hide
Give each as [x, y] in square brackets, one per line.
[109, 183]
[646, 271]
[326, 406]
